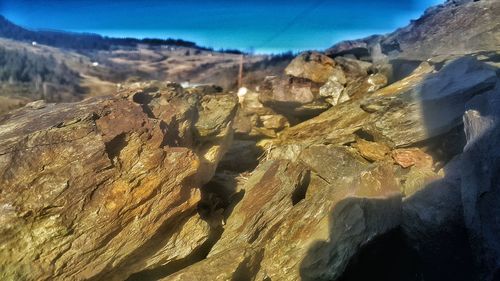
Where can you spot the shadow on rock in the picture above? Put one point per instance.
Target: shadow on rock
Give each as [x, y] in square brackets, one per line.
[449, 228]
[353, 224]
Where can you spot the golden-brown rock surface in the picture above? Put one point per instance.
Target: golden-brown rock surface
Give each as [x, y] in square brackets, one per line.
[333, 175]
[107, 187]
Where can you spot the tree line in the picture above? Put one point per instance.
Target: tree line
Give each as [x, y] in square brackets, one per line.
[27, 67]
[83, 41]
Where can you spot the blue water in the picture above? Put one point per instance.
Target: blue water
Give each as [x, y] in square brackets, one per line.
[260, 25]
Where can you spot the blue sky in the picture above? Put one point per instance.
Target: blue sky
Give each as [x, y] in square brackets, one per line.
[264, 25]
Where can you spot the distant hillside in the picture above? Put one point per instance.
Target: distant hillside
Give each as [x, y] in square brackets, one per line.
[66, 67]
[80, 41]
[456, 27]
[35, 76]
[23, 66]
[31, 72]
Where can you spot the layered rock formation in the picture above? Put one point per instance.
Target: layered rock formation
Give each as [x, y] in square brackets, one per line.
[331, 185]
[254, 120]
[339, 170]
[104, 188]
[454, 28]
[313, 82]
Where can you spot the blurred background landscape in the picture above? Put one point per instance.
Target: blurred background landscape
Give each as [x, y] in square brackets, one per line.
[64, 51]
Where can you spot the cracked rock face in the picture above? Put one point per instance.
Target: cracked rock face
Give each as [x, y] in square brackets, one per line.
[302, 220]
[420, 106]
[107, 187]
[313, 66]
[328, 162]
[301, 214]
[331, 185]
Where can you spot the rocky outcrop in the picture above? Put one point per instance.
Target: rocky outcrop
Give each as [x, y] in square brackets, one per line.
[333, 90]
[440, 32]
[270, 219]
[314, 82]
[296, 215]
[313, 66]
[361, 48]
[293, 97]
[340, 170]
[431, 106]
[433, 224]
[104, 188]
[447, 222]
[405, 113]
[330, 186]
[254, 120]
[479, 182]
[351, 80]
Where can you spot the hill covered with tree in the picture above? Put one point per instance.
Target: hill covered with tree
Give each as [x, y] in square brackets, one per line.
[79, 41]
